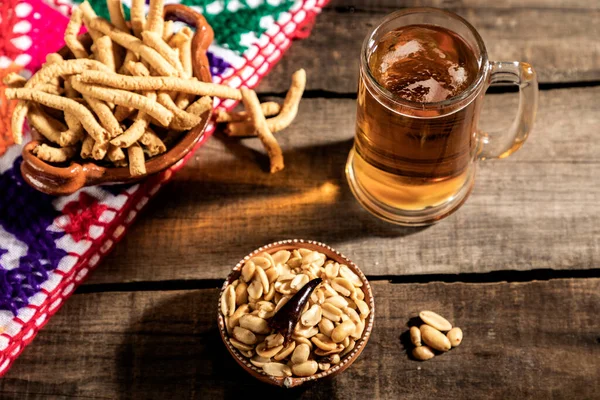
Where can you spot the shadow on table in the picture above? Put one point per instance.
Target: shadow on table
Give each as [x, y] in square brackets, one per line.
[309, 199]
[175, 351]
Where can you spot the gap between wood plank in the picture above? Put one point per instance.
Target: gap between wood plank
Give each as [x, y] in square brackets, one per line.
[328, 94]
[509, 276]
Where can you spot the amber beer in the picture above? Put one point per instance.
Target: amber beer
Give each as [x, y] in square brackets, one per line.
[409, 162]
[423, 75]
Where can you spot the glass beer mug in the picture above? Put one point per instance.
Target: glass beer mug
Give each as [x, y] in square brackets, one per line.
[423, 75]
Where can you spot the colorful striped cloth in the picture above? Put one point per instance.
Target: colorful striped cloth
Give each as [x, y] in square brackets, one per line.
[48, 245]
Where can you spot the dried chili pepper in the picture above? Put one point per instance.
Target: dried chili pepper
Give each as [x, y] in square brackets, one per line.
[286, 319]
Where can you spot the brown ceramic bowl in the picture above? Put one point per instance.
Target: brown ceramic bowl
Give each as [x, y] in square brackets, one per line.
[65, 180]
[346, 361]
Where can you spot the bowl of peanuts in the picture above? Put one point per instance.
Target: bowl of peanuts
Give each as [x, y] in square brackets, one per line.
[121, 102]
[295, 311]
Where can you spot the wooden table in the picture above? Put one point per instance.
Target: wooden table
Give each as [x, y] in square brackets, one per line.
[517, 267]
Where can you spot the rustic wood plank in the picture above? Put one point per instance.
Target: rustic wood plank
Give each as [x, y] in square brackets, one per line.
[537, 209]
[560, 41]
[525, 340]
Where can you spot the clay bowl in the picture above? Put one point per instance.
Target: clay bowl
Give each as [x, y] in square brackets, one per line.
[56, 180]
[346, 361]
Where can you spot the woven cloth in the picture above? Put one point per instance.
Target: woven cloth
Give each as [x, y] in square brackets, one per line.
[48, 245]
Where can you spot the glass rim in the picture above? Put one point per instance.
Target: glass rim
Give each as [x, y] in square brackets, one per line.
[464, 95]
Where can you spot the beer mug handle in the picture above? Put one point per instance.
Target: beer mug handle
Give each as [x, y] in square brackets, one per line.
[503, 144]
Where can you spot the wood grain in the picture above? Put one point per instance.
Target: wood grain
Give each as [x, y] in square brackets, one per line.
[537, 209]
[527, 340]
[532, 31]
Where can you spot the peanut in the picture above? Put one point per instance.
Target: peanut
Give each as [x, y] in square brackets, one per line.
[434, 338]
[435, 320]
[455, 335]
[423, 353]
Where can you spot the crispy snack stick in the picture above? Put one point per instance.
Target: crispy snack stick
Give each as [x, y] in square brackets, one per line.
[14, 80]
[115, 154]
[183, 120]
[182, 41]
[152, 143]
[155, 17]
[62, 69]
[130, 43]
[71, 33]
[167, 32]
[137, 129]
[135, 83]
[86, 147]
[269, 109]
[69, 91]
[49, 100]
[138, 17]
[53, 154]
[200, 106]
[137, 165]
[252, 104]
[49, 127]
[48, 74]
[105, 115]
[122, 97]
[154, 40]
[285, 117]
[74, 134]
[104, 52]
[99, 150]
[117, 18]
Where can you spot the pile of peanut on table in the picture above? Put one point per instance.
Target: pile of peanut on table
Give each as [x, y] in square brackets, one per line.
[132, 94]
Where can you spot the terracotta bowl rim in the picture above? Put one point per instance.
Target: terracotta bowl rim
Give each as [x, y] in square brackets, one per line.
[292, 381]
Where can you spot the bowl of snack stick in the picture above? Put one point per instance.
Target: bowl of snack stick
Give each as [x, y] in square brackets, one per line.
[295, 311]
[129, 99]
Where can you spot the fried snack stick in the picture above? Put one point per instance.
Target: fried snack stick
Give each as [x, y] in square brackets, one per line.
[117, 18]
[71, 33]
[138, 17]
[104, 51]
[49, 127]
[99, 150]
[137, 129]
[163, 83]
[105, 116]
[137, 165]
[285, 117]
[86, 147]
[14, 80]
[200, 106]
[154, 40]
[74, 134]
[182, 41]
[115, 154]
[155, 17]
[167, 32]
[128, 41]
[269, 109]
[48, 74]
[62, 69]
[123, 97]
[183, 120]
[66, 105]
[152, 143]
[122, 112]
[252, 104]
[53, 154]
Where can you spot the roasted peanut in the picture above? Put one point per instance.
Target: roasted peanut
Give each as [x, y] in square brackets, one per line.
[435, 320]
[434, 338]
[455, 335]
[423, 353]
